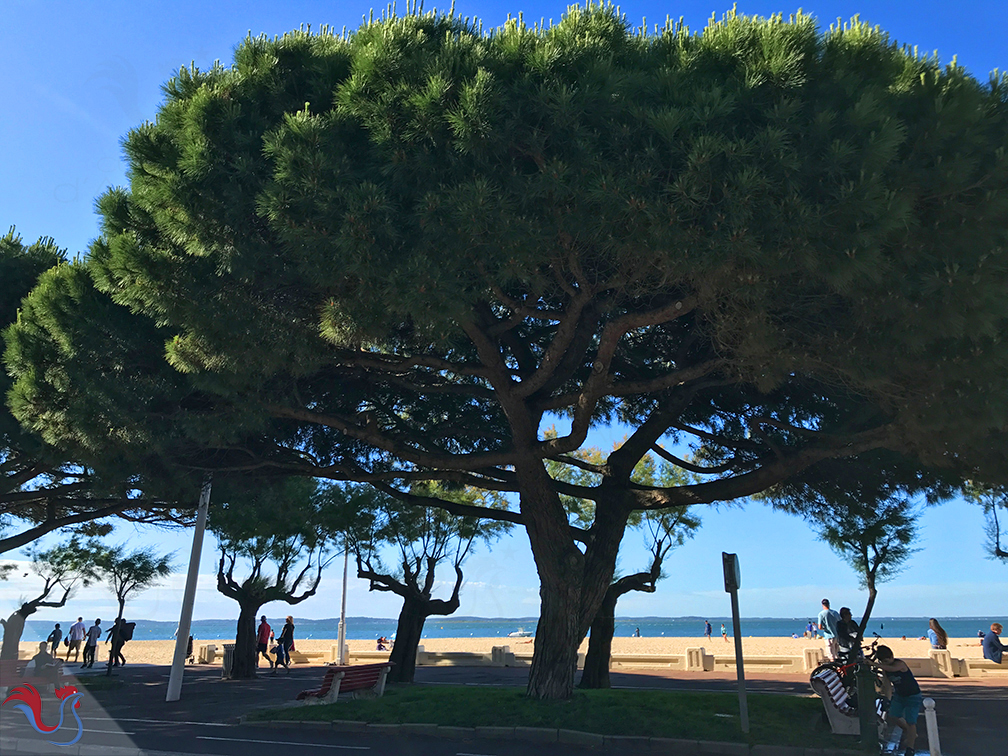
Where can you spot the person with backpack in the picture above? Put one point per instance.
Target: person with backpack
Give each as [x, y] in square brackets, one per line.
[121, 632]
[54, 638]
[284, 645]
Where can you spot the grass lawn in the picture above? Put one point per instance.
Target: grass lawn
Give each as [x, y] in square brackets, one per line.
[774, 719]
[97, 682]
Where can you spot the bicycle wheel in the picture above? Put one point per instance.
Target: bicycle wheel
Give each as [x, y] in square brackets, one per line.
[830, 666]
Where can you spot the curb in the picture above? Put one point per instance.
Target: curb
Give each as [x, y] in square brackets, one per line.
[34, 746]
[671, 746]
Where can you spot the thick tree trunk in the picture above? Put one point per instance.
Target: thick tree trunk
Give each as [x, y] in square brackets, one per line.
[596, 667]
[408, 631]
[243, 664]
[572, 585]
[558, 633]
[13, 628]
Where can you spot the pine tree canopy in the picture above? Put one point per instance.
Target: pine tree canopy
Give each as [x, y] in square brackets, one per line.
[45, 487]
[397, 254]
[388, 222]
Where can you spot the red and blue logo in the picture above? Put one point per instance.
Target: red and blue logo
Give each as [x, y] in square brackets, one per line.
[31, 706]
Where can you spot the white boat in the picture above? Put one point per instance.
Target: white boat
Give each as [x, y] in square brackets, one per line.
[521, 632]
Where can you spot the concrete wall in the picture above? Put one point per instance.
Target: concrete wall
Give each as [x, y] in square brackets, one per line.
[938, 663]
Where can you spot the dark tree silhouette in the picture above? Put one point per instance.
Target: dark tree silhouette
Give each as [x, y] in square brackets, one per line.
[419, 540]
[61, 568]
[664, 531]
[278, 534]
[991, 498]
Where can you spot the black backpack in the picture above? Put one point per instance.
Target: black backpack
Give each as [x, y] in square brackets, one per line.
[126, 630]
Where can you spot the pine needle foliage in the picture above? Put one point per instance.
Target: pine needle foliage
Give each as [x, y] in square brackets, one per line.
[387, 255]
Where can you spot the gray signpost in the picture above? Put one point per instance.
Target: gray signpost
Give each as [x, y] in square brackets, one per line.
[732, 580]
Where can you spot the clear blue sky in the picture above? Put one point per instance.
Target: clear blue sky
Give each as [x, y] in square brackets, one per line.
[79, 75]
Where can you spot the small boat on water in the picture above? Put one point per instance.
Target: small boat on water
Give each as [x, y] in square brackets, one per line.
[521, 632]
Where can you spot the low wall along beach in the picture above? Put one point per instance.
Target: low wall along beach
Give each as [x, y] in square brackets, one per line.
[964, 657]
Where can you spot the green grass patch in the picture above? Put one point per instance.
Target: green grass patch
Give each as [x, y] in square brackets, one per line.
[774, 719]
[95, 683]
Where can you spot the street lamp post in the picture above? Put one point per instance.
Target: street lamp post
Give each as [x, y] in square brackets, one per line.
[341, 634]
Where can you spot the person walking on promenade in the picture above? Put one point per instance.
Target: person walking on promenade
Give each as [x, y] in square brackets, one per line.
[78, 631]
[262, 640]
[993, 648]
[905, 706]
[828, 619]
[284, 644]
[54, 638]
[936, 634]
[116, 637]
[91, 644]
[707, 629]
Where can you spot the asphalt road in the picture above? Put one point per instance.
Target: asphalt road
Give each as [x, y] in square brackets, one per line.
[107, 735]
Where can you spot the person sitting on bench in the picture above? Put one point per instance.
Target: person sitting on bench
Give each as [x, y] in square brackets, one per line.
[45, 664]
[993, 648]
[848, 636]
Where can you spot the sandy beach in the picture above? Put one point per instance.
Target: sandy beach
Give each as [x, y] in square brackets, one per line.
[160, 652]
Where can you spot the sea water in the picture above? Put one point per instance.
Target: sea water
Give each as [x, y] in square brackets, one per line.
[369, 628]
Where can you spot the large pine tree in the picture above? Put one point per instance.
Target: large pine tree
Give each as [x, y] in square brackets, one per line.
[397, 255]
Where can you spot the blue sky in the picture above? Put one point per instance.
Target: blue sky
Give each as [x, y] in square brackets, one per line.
[77, 76]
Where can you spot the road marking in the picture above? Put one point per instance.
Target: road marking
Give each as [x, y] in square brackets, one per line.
[14, 726]
[462, 753]
[287, 743]
[155, 721]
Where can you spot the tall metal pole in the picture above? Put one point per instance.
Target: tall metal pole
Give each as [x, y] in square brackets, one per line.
[732, 583]
[189, 598]
[341, 634]
[737, 627]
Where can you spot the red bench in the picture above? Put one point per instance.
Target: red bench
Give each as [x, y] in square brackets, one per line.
[11, 671]
[369, 677]
[12, 674]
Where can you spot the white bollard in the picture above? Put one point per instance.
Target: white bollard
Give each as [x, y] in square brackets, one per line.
[932, 726]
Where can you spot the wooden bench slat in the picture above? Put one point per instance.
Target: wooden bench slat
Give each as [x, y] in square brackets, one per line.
[339, 679]
[326, 686]
[837, 693]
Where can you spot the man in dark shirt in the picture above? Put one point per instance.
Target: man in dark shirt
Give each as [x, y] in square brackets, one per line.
[848, 641]
[45, 665]
[55, 637]
[993, 648]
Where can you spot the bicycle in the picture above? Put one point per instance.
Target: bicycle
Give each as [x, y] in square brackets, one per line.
[846, 668]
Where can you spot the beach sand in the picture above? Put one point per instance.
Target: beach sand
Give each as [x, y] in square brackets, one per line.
[160, 652]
